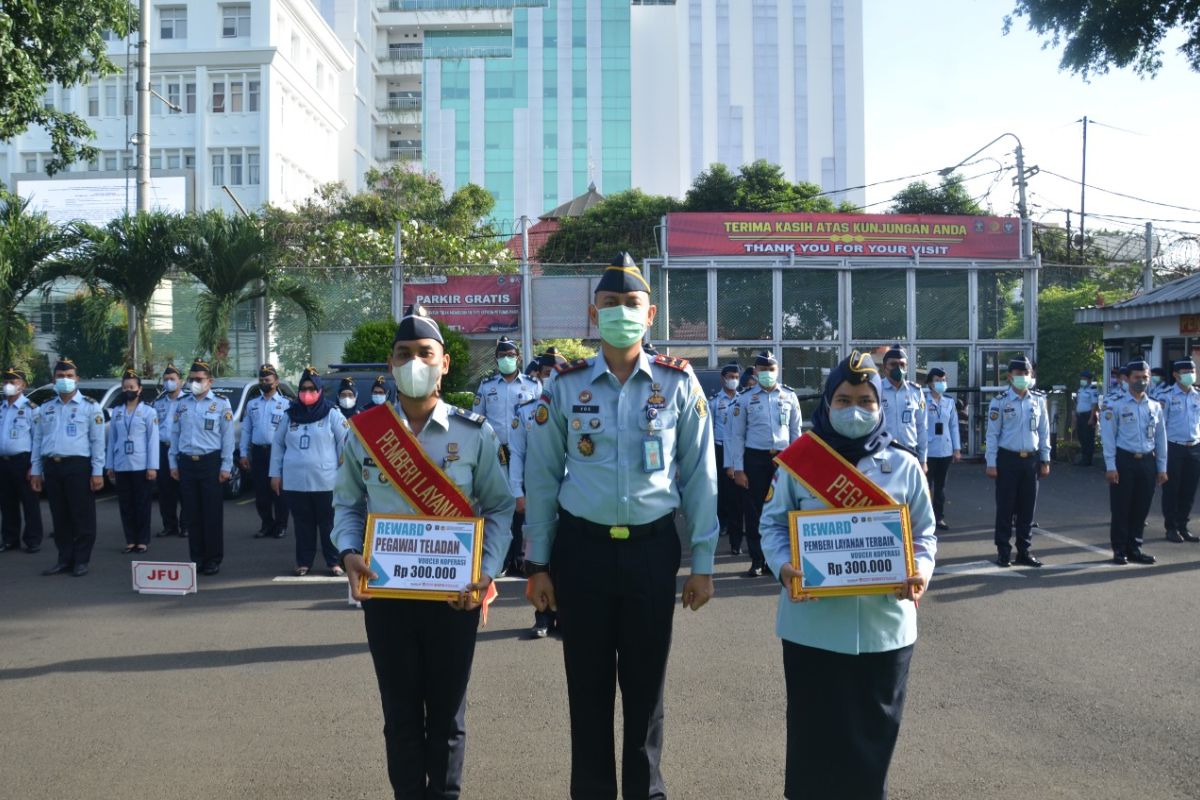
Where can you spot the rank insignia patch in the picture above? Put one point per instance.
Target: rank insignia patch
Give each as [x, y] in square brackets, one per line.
[542, 415]
[586, 446]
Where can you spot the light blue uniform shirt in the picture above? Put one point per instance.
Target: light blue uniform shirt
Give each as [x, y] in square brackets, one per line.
[1086, 399]
[306, 456]
[1158, 391]
[1138, 426]
[1018, 423]
[16, 426]
[164, 406]
[587, 453]
[497, 399]
[852, 625]
[761, 420]
[133, 439]
[73, 428]
[202, 425]
[262, 418]
[904, 416]
[518, 440]
[362, 489]
[1182, 408]
[719, 406]
[941, 411]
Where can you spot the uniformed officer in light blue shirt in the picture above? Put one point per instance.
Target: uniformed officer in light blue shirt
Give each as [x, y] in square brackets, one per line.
[620, 442]
[1017, 455]
[1133, 431]
[903, 405]
[304, 460]
[765, 420]
[169, 506]
[729, 507]
[68, 459]
[17, 497]
[422, 650]
[1158, 384]
[1087, 408]
[943, 435]
[133, 455]
[1181, 403]
[259, 423]
[201, 459]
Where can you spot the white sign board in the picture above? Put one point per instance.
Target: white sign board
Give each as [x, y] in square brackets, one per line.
[164, 577]
[99, 200]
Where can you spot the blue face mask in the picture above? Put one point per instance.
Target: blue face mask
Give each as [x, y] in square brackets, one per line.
[766, 379]
[64, 385]
[853, 422]
[939, 387]
[507, 364]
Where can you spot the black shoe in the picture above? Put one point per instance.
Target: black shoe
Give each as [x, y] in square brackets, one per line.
[1138, 557]
[942, 526]
[279, 534]
[183, 533]
[1003, 560]
[1028, 559]
[1189, 537]
[735, 551]
[79, 571]
[57, 569]
[34, 548]
[754, 572]
[1173, 536]
[1120, 559]
[5, 547]
[164, 533]
[210, 569]
[263, 534]
[539, 632]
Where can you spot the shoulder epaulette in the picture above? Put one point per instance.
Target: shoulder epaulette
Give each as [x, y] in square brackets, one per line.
[574, 366]
[527, 402]
[912, 452]
[680, 364]
[32, 404]
[744, 389]
[785, 386]
[471, 416]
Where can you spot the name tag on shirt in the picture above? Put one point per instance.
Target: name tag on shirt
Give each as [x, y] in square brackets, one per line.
[305, 440]
[210, 424]
[128, 448]
[72, 429]
[275, 418]
[652, 454]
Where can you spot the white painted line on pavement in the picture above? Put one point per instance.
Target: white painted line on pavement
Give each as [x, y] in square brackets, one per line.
[247, 501]
[1091, 548]
[977, 568]
[307, 579]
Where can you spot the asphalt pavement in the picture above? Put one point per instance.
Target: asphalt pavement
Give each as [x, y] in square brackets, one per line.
[1074, 681]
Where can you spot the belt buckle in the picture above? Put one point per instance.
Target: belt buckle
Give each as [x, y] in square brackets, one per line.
[618, 532]
[194, 458]
[1024, 454]
[57, 459]
[1138, 456]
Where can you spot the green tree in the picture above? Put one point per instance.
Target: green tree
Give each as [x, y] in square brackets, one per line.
[1096, 36]
[30, 250]
[1066, 266]
[125, 262]
[714, 189]
[1064, 348]
[233, 259]
[98, 351]
[44, 42]
[951, 197]
[757, 186]
[371, 343]
[624, 221]
[570, 349]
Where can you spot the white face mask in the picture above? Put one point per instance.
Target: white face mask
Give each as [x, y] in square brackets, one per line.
[197, 387]
[10, 390]
[416, 379]
[170, 385]
[346, 402]
[731, 384]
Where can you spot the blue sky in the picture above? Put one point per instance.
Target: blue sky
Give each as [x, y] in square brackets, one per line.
[942, 80]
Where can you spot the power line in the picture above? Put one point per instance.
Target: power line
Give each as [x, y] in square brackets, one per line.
[1119, 194]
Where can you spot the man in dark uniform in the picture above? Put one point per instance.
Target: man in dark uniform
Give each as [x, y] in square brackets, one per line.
[1181, 404]
[632, 433]
[68, 459]
[728, 506]
[201, 459]
[262, 417]
[1087, 408]
[168, 487]
[17, 497]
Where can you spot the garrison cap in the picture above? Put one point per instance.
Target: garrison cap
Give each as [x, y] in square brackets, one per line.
[936, 372]
[765, 359]
[200, 365]
[1085, 373]
[129, 373]
[550, 358]
[310, 373]
[380, 383]
[622, 276]
[895, 351]
[1124, 371]
[728, 368]
[63, 364]
[417, 324]
[1134, 366]
[267, 370]
[1020, 362]
[1184, 363]
[1159, 371]
[506, 345]
[171, 369]
[14, 374]
[347, 385]
[650, 349]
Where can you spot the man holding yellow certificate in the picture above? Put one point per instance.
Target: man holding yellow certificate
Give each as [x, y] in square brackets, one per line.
[423, 481]
[847, 642]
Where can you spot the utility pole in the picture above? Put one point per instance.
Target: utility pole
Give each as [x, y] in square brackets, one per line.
[526, 291]
[1068, 236]
[398, 273]
[143, 152]
[1083, 194]
[1148, 270]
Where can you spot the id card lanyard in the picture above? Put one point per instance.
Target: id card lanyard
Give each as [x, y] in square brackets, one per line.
[652, 445]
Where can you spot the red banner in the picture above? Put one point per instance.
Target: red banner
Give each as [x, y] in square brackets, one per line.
[843, 235]
[469, 303]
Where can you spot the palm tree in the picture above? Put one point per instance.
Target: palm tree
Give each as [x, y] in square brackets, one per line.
[235, 261]
[125, 262]
[30, 250]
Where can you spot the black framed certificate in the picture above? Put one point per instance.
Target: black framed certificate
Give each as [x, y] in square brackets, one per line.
[421, 558]
[858, 551]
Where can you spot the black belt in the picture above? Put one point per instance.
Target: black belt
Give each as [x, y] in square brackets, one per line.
[1018, 453]
[615, 532]
[15, 456]
[65, 459]
[262, 446]
[1133, 455]
[1181, 444]
[200, 457]
[757, 452]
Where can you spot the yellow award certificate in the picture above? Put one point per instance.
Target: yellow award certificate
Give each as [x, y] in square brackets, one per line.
[421, 558]
[851, 551]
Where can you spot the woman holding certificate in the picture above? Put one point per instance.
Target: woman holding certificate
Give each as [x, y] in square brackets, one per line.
[422, 520]
[849, 529]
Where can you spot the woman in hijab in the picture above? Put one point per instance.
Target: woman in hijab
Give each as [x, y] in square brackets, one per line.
[378, 394]
[347, 397]
[845, 659]
[304, 461]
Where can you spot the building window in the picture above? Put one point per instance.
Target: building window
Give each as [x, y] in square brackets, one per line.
[93, 100]
[235, 169]
[236, 93]
[174, 96]
[31, 164]
[155, 162]
[110, 163]
[189, 98]
[110, 98]
[252, 171]
[236, 96]
[242, 164]
[172, 22]
[218, 97]
[218, 169]
[235, 21]
[172, 161]
[189, 161]
[252, 92]
[48, 99]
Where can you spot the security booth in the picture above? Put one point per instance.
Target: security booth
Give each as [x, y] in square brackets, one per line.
[957, 292]
[1160, 326]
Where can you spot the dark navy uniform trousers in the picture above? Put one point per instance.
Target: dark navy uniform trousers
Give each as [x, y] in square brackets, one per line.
[203, 506]
[168, 495]
[18, 498]
[1129, 501]
[72, 506]
[1179, 492]
[272, 508]
[1016, 495]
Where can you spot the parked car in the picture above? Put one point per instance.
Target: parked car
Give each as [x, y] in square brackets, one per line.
[364, 376]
